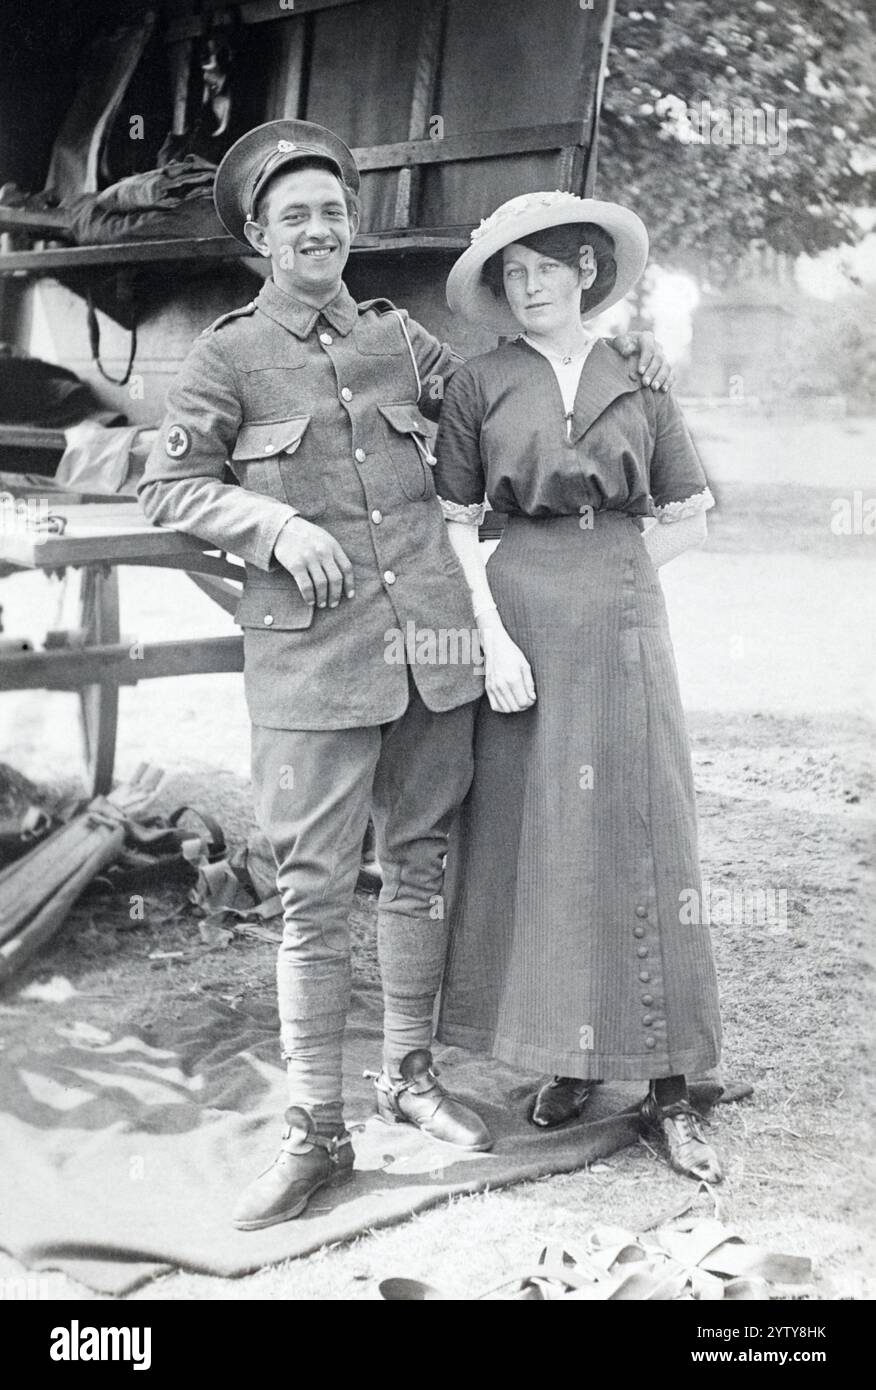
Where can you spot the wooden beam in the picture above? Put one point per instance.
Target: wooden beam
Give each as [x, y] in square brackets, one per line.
[31, 437]
[145, 253]
[227, 595]
[33, 220]
[122, 253]
[180, 58]
[422, 105]
[287, 73]
[482, 144]
[250, 12]
[61, 669]
[587, 179]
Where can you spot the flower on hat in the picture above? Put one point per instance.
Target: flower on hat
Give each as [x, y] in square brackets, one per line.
[525, 202]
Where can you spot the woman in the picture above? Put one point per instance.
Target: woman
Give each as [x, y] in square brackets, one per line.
[579, 835]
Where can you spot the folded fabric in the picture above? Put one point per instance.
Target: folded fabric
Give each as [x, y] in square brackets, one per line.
[103, 460]
[161, 188]
[173, 201]
[93, 225]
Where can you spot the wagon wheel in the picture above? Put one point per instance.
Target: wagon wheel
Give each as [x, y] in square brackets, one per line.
[99, 703]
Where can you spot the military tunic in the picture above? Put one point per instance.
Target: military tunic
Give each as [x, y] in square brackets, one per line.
[320, 413]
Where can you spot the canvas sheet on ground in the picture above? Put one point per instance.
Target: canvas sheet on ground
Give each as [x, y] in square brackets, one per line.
[123, 1150]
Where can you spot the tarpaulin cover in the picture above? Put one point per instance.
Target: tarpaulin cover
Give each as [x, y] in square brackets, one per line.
[125, 1143]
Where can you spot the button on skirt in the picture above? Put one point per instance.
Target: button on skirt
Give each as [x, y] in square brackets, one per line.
[573, 879]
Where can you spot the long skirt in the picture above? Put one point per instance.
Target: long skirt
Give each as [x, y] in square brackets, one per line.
[573, 880]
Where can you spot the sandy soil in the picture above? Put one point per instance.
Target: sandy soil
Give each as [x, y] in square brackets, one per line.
[774, 628]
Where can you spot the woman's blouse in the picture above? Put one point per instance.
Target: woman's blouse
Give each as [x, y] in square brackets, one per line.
[567, 371]
[502, 434]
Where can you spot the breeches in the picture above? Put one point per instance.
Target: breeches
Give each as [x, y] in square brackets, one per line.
[313, 792]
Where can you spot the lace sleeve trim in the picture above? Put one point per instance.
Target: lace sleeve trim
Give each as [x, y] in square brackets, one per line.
[688, 506]
[471, 513]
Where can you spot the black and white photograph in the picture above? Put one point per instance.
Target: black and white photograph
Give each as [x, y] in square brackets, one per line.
[438, 663]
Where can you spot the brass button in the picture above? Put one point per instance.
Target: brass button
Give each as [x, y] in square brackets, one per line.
[647, 999]
[269, 448]
[638, 931]
[268, 619]
[376, 517]
[360, 456]
[346, 394]
[641, 911]
[388, 577]
[650, 1042]
[645, 977]
[647, 1020]
[326, 338]
[642, 952]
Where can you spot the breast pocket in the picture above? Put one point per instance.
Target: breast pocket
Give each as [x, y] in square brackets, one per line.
[273, 604]
[264, 460]
[408, 446]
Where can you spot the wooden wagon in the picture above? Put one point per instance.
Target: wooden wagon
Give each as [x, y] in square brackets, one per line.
[450, 106]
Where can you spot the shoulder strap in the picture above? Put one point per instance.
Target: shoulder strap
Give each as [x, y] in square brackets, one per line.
[232, 314]
[386, 306]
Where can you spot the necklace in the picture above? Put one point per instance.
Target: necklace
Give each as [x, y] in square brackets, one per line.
[565, 359]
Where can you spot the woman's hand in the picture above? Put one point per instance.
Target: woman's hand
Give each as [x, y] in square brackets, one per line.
[509, 682]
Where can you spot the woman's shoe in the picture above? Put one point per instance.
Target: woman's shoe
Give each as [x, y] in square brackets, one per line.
[560, 1100]
[679, 1131]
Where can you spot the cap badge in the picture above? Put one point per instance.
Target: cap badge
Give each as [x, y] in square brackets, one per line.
[285, 147]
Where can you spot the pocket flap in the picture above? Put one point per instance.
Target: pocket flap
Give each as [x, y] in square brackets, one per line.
[403, 418]
[275, 606]
[266, 440]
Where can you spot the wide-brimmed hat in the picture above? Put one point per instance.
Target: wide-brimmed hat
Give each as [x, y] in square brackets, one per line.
[261, 153]
[468, 295]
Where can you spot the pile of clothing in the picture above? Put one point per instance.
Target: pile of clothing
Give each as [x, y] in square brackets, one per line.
[175, 200]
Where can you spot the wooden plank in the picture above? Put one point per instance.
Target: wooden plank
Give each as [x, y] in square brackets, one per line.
[123, 253]
[422, 105]
[482, 144]
[219, 590]
[31, 219]
[99, 833]
[49, 921]
[250, 12]
[113, 532]
[23, 890]
[287, 74]
[180, 58]
[31, 437]
[208, 566]
[59, 669]
[587, 181]
[213, 248]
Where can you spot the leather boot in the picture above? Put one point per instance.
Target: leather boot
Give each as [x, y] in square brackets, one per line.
[679, 1132]
[306, 1162]
[560, 1100]
[419, 1099]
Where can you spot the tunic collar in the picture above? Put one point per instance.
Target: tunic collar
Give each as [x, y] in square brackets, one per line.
[604, 376]
[300, 319]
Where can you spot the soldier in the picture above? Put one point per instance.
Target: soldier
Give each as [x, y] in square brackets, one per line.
[315, 403]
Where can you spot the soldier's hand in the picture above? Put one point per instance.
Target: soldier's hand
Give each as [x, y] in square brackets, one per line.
[316, 562]
[653, 367]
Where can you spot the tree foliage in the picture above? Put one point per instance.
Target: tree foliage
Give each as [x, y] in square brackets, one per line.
[811, 62]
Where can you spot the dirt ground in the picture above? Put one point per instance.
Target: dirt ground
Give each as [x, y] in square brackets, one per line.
[774, 629]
